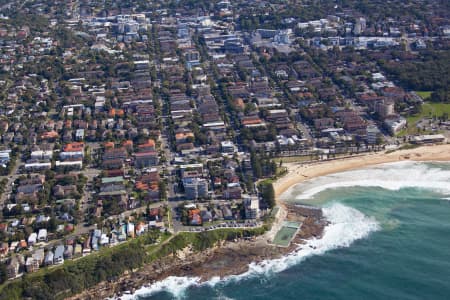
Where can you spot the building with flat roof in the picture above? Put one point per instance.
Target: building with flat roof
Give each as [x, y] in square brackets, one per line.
[41, 155]
[49, 258]
[428, 139]
[42, 235]
[251, 205]
[58, 257]
[32, 238]
[227, 146]
[195, 188]
[112, 180]
[372, 134]
[38, 166]
[146, 159]
[78, 164]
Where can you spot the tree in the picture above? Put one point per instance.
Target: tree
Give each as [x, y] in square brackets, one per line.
[441, 96]
[52, 224]
[249, 184]
[256, 166]
[162, 190]
[3, 273]
[267, 193]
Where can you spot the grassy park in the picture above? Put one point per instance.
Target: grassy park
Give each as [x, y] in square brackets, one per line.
[424, 94]
[428, 110]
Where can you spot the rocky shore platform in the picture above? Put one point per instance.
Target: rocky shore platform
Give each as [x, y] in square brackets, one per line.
[225, 259]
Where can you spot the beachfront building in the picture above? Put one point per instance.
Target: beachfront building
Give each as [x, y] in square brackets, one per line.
[372, 134]
[428, 139]
[251, 205]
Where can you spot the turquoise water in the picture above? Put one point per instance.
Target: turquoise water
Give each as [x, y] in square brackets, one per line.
[387, 241]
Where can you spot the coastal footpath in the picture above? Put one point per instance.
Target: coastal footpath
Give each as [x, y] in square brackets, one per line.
[217, 253]
[210, 254]
[232, 257]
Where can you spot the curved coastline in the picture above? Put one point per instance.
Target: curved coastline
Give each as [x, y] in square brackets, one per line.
[297, 172]
[201, 267]
[346, 224]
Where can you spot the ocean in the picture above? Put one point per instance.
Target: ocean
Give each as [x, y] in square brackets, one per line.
[388, 238]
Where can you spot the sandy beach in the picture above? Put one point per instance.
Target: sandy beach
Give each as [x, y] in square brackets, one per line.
[298, 172]
[231, 258]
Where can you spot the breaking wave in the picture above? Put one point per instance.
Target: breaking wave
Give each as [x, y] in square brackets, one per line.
[346, 226]
[392, 176]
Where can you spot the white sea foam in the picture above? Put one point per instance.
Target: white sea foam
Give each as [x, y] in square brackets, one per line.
[222, 297]
[346, 226]
[393, 176]
[174, 285]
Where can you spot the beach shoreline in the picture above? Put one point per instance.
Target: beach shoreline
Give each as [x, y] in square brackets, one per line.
[233, 258]
[298, 172]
